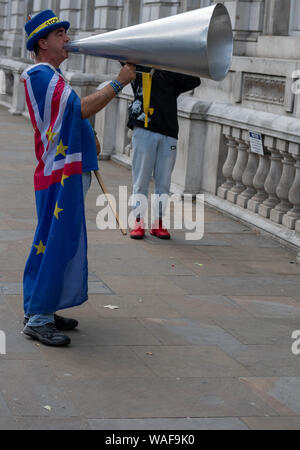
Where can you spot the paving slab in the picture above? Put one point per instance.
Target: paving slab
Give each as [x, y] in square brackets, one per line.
[272, 423]
[187, 331]
[252, 254]
[226, 226]
[143, 284]
[200, 266]
[259, 331]
[8, 424]
[4, 409]
[207, 306]
[141, 263]
[51, 424]
[278, 267]
[178, 238]
[251, 240]
[270, 307]
[9, 276]
[96, 362]
[165, 397]
[257, 285]
[168, 424]
[112, 332]
[190, 361]
[267, 360]
[136, 306]
[29, 387]
[281, 394]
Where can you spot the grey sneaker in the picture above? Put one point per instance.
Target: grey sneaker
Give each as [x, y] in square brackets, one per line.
[47, 334]
[61, 323]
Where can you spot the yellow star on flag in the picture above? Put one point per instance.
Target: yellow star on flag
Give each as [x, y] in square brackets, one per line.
[64, 177]
[40, 248]
[61, 149]
[57, 211]
[50, 135]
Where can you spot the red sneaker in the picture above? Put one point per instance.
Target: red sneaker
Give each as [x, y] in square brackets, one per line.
[159, 231]
[139, 230]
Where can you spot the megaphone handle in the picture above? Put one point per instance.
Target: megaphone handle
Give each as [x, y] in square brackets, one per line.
[151, 73]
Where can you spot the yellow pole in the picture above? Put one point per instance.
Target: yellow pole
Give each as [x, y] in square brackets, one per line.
[102, 185]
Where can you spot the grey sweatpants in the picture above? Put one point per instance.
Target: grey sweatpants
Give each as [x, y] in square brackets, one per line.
[153, 155]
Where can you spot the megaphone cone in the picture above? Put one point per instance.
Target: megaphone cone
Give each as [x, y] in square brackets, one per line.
[199, 43]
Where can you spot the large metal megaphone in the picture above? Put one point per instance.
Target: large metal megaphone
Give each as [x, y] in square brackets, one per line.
[199, 42]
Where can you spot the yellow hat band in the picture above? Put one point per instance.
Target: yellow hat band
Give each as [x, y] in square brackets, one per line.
[44, 25]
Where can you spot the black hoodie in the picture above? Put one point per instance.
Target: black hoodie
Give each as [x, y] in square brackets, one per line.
[166, 88]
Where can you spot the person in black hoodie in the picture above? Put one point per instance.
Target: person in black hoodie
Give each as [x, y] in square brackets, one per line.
[154, 121]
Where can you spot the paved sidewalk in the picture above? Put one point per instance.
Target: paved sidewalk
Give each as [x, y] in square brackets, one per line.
[201, 339]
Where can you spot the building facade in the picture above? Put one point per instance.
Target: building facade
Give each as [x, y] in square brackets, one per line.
[259, 95]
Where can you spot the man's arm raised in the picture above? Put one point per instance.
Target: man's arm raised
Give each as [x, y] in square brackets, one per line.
[93, 103]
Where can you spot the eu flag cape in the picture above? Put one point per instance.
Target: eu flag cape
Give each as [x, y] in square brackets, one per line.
[56, 273]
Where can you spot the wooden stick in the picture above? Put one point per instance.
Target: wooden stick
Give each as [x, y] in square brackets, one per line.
[102, 185]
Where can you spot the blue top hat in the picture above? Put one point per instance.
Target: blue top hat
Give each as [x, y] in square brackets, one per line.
[41, 25]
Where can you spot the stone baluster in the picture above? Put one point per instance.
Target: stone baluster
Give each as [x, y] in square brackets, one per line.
[105, 126]
[128, 149]
[229, 163]
[248, 176]
[272, 179]
[297, 228]
[121, 140]
[9, 81]
[238, 171]
[285, 184]
[259, 182]
[290, 219]
[18, 98]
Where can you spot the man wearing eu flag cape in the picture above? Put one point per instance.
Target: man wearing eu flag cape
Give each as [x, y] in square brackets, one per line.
[56, 273]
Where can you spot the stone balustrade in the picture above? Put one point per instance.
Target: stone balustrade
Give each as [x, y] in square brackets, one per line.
[268, 184]
[274, 205]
